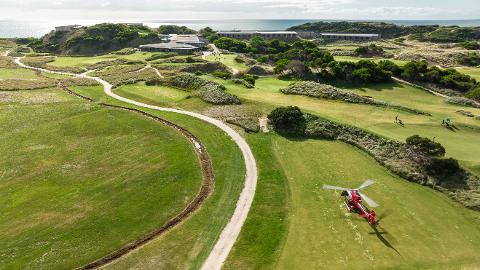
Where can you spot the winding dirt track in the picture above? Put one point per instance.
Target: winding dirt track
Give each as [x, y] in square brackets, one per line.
[231, 231]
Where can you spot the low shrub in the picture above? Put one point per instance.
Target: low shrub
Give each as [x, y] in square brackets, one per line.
[469, 59]
[161, 56]
[19, 84]
[118, 69]
[117, 79]
[208, 91]
[249, 124]
[369, 50]
[249, 79]
[6, 62]
[243, 82]
[258, 70]
[239, 59]
[125, 51]
[222, 75]
[325, 91]
[465, 101]
[209, 67]
[474, 93]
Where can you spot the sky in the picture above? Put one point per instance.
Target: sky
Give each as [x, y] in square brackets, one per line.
[238, 9]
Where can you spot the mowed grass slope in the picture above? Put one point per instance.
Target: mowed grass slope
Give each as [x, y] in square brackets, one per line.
[421, 228]
[188, 244]
[79, 181]
[83, 61]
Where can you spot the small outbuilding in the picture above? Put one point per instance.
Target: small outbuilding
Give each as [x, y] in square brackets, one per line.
[67, 28]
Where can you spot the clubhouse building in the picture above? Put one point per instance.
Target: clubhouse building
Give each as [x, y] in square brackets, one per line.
[183, 44]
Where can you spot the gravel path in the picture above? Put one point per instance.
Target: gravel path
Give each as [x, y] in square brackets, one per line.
[231, 231]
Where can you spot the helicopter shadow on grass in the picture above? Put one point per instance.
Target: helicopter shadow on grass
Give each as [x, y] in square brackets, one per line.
[379, 234]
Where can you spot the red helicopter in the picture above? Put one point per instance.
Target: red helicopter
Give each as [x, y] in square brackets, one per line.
[354, 200]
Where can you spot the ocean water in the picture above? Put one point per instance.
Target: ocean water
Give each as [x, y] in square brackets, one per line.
[11, 29]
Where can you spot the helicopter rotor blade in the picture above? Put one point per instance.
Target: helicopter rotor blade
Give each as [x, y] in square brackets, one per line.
[366, 184]
[334, 187]
[369, 201]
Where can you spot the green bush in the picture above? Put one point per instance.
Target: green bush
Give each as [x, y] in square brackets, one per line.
[174, 29]
[474, 93]
[471, 45]
[222, 75]
[364, 71]
[288, 120]
[426, 146]
[443, 168]
[231, 44]
[208, 91]
[249, 78]
[469, 59]
[420, 72]
[371, 49]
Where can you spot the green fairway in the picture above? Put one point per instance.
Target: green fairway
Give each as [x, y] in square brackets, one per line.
[161, 95]
[423, 228]
[80, 181]
[356, 59]
[82, 61]
[472, 71]
[17, 73]
[229, 61]
[188, 244]
[298, 225]
[463, 144]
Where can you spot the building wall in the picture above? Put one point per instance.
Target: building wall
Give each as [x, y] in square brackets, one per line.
[241, 35]
[351, 38]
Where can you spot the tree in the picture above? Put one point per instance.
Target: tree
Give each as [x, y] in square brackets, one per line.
[174, 29]
[288, 120]
[390, 66]
[231, 44]
[426, 146]
[414, 70]
[443, 168]
[249, 78]
[280, 65]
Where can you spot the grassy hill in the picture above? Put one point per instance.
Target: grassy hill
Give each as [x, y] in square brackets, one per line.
[96, 39]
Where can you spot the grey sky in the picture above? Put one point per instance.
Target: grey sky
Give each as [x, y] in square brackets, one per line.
[237, 9]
